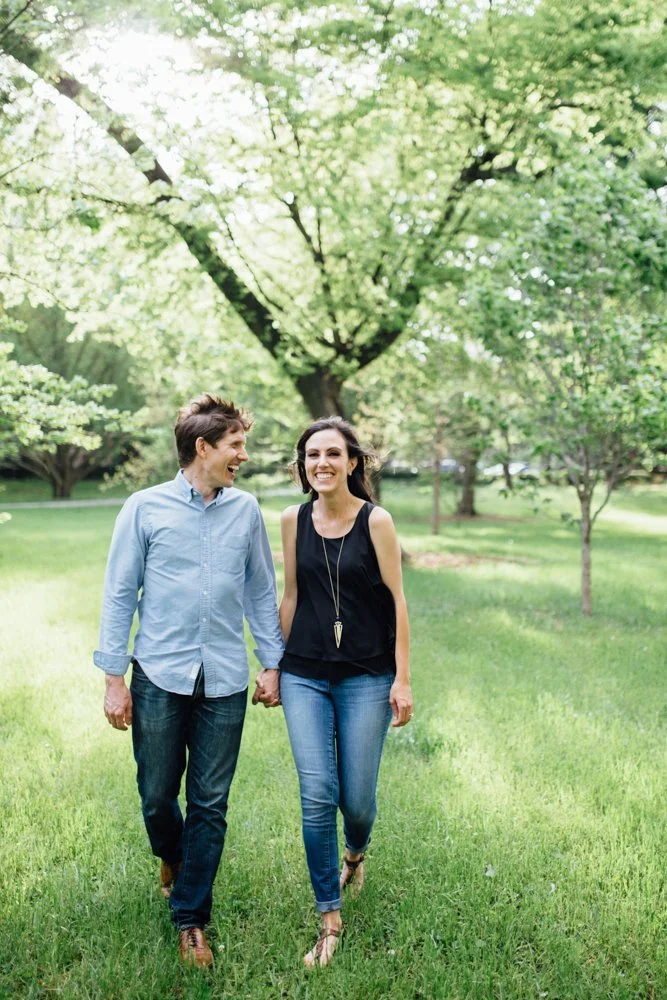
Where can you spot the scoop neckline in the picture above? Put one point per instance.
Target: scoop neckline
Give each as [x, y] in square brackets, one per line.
[337, 538]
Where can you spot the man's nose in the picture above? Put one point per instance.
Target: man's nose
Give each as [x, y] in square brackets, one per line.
[243, 455]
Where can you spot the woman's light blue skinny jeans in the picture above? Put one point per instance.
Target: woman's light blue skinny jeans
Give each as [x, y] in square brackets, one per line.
[337, 730]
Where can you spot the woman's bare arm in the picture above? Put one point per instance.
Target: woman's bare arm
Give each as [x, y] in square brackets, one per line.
[388, 552]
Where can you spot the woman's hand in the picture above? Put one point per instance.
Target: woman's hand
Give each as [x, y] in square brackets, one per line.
[402, 705]
[267, 688]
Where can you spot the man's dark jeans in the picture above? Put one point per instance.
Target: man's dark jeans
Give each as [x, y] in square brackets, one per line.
[164, 726]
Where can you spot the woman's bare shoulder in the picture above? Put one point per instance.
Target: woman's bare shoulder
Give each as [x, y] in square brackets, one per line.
[290, 514]
[380, 517]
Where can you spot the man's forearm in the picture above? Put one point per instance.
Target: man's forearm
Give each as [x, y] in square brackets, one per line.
[112, 656]
[114, 680]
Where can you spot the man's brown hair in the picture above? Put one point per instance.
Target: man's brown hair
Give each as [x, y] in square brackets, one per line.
[209, 417]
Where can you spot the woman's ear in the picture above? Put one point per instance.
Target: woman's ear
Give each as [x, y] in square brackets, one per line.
[351, 466]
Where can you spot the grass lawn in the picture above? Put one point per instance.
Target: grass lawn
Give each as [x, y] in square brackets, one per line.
[34, 490]
[520, 845]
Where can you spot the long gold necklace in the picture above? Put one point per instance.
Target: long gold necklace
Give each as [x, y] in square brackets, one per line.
[335, 595]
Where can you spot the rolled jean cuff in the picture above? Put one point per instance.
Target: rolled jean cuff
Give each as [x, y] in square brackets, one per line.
[357, 850]
[335, 904]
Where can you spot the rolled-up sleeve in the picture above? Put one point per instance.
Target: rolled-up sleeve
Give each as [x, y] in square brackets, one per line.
[122, 583]
[260, 598]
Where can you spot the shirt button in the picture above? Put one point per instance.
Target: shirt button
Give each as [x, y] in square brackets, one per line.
[203, 619]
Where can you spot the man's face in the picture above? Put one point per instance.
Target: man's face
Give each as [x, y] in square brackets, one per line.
[222, 460]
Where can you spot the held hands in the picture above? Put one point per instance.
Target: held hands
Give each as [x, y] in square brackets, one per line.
[118, 702]
[402, 705]
[267, 690]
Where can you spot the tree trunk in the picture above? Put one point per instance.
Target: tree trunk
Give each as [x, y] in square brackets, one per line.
[321, 393]
[436, 461]
[507, 476]
[466, 504]
[61, 490]
[586, 604]
[435, 509]
[66, 468]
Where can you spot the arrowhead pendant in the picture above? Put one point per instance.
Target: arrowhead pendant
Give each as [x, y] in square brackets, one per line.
[338, 631]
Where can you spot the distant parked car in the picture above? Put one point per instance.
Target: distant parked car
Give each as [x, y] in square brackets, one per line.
[450, 467]
[518, 470]
[399, 470]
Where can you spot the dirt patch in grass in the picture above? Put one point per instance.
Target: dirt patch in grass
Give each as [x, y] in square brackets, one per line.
[459, 560]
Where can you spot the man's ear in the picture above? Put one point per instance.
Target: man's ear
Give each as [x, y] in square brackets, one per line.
[201, 447]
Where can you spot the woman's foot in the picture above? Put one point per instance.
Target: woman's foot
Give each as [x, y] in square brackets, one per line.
[326, 944]
[352, 873]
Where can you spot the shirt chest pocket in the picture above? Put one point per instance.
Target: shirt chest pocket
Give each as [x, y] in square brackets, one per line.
[230, 554]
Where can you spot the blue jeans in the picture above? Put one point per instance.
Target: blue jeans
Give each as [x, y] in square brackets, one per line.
[164, 727]
[337, 731]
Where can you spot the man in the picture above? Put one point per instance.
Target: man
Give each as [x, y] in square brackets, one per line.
[198, 551]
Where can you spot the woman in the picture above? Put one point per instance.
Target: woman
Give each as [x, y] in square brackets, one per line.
[346, 665]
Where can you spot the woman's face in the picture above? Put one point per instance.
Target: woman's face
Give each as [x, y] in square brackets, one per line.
[327, 462]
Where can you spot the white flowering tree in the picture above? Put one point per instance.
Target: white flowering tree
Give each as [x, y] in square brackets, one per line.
[58, 429]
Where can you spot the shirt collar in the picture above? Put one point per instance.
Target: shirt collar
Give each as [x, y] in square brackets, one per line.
[189, 492]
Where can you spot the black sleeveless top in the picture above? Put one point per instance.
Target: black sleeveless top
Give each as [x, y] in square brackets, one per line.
[366, 605]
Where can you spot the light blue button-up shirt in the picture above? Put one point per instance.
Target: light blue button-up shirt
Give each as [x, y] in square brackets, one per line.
[199, 568]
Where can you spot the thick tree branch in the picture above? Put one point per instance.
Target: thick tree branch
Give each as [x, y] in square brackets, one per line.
[318, 258]
[4, 28]
[253, 311]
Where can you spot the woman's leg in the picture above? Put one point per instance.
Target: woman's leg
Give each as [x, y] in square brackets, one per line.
[363, 714]
[309, 714]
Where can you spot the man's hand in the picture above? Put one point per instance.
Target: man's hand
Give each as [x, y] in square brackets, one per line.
[267, 688]
[118, 702]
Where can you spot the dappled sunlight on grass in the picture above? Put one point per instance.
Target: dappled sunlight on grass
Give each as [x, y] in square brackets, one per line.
[520, 833]
[649, 524]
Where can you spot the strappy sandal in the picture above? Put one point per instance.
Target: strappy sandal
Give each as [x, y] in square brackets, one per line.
[316, 952]
[351, 877]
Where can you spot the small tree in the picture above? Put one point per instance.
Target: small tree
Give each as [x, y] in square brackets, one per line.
[430, 398]
[57, 429]
[574, 306]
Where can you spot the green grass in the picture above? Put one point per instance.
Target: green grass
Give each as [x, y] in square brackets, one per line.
[520, 844]
[35, 490]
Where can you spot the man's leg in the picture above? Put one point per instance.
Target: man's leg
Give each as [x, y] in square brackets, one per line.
[213, 738]
[159, 726]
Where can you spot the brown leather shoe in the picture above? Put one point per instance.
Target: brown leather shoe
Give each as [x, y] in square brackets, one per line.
[194, 948]
[168, 875]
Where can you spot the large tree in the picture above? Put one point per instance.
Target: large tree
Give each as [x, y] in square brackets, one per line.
[334, 156]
